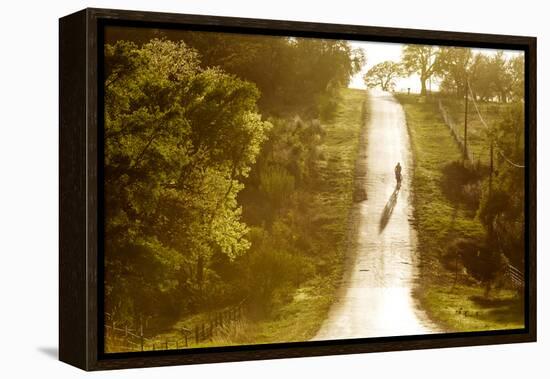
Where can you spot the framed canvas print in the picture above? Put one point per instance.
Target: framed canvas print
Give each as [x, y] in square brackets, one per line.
[237, 189]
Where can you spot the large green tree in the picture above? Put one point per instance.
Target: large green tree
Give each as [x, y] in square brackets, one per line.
[455, 65]
[499, 77]
[502, 208]
[516, 70]
[481, 79]
[421, 60]
[178, 141]
[501, 80]
[294, 75]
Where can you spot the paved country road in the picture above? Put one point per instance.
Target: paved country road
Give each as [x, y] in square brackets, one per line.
[375, 298]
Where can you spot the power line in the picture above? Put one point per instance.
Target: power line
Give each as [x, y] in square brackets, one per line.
[499, 149]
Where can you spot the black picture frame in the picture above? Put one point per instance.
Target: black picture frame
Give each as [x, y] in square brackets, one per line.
[80, 195]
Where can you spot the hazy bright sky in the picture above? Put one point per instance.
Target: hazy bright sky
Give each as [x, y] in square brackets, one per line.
[377, 52]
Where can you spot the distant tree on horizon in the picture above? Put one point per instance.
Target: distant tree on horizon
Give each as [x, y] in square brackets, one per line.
[383, 75]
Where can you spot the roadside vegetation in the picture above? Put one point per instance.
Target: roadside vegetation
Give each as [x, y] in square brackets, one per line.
[469, 207]
[454, 278]
[299, 307]
[229, 166]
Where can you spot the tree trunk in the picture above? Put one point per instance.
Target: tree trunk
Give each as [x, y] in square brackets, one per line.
[423, 90]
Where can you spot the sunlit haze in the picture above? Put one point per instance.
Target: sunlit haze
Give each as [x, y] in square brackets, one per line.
[377, 52]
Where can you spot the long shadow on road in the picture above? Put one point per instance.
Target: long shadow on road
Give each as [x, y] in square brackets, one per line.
[388, 210]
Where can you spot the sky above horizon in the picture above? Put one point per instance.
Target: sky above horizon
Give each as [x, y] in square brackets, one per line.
[378, 52]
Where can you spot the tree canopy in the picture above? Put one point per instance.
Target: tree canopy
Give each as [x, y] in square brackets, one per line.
[200, 188]
[293, 75]
[454, 65]
[178, 141]
[490, 77]
[420, 59]
[383, 75]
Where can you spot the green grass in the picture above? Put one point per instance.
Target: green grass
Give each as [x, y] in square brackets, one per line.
[340, 149]
[464, 308]
[454, 305]
[298, 320]
[478, 140]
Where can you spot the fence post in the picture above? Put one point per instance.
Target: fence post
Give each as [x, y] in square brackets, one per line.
[196, 334]
[141, 333]
[203, 331]
[186, 344]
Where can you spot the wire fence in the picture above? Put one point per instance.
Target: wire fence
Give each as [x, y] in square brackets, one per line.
[515, 277]
[484, 123]
[121, 337]
[456, 132]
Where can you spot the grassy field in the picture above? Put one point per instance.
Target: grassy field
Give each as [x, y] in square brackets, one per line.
[299, 318]
[453, 300]
[478, 140]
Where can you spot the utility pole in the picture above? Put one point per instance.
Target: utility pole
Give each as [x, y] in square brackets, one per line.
[491, 167]
[491, 180]
[465, 124]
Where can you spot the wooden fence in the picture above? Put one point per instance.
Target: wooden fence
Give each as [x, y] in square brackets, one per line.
[125, 338]
[515, 276]
[455, 132]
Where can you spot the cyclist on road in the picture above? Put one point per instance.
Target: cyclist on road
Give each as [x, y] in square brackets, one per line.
[398, 176]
